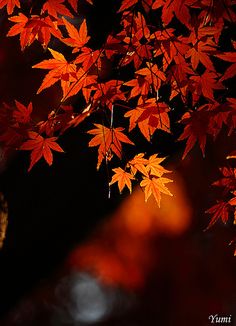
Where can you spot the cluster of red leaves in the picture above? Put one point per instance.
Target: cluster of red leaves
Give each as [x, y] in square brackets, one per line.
[224, 207]
[163, 44]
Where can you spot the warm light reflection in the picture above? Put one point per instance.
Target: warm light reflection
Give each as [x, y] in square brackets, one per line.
[121, 250]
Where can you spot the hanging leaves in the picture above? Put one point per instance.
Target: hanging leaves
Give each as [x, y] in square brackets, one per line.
[109, 141]
[164, 63]
[40, 147]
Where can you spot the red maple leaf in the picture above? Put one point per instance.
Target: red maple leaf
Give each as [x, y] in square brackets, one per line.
[196, 129]
[174, 7]
[126, 4]
[219, 210]
[205, 85]
[22, 114]
[200, 53]
[40, 147]
[230, 57]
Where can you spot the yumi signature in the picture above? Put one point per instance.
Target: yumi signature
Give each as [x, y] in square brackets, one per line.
[216, 319]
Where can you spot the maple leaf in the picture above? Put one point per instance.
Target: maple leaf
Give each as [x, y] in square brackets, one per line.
[57, 121]
[123, 178]
[89, 58]
[200, 53]
[140, 86]
[229, 179]
[74, 4]
[60, 70]
[109, 92]
[77, 38]
[219, 210]
[23, 113]
[169, 46]
[231, 70]
[146, 129]
[56, 7]
[199, 30]
[155, 186]
[82, 81]
[153, 75]
[138, 163]
[153, 166]
[195, 130]
[11, 4]
[171, 7]
[40, 147]
[108, 141]
[126, 4]
[204, 85]
[35, 27]
[214, 12]
[156, 113]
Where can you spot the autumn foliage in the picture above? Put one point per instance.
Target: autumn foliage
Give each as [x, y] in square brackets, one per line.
[165, 56]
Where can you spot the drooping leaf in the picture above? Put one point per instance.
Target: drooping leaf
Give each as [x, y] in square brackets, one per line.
[40, 147]
[108, 140]
[218, 211]
[123, 178]
[155, 186]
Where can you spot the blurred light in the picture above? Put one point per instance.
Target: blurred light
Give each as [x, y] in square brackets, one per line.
[122, 251]
[83, 299]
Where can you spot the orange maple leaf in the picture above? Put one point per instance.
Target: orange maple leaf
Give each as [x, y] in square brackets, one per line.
[56, 8]
[108, 141]
[123, 178]
[138, 163]
[10, 5]
[35, 27]
[153, 75]
[40, 147]
[156, 113]
[60, 70]
[153, 166]
[77, 38]
[155, 186]
[146, 129]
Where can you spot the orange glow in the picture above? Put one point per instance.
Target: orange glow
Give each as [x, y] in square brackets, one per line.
[121, 251]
